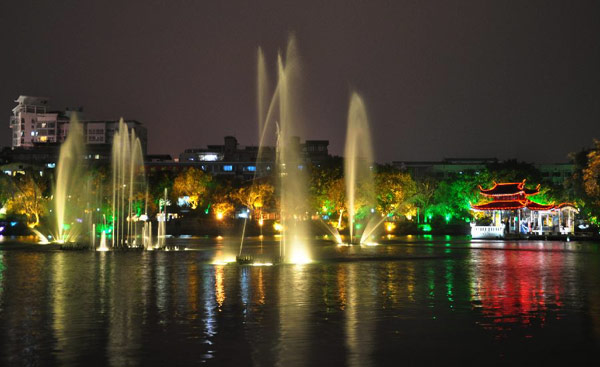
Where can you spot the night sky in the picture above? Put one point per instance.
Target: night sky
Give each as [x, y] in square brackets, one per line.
[506, 79]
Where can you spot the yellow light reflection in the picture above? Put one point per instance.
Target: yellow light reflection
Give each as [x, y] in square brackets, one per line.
[261, 288]
[219, 287]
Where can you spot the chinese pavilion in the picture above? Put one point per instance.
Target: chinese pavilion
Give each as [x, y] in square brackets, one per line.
[512, 211]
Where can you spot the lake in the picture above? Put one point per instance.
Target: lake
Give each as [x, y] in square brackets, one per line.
[409, 301]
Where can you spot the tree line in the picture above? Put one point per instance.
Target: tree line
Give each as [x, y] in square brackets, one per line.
[392, 193]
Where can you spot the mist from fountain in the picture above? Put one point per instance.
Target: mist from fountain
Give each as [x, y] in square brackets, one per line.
[358, 163]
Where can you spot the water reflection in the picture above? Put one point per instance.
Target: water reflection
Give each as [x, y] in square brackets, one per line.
[2, 266]
[294, 337]
[359, 325]
[496, 300]
[519, 287]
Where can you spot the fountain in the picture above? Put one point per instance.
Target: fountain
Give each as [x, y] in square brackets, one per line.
[73, 205]
[69, 194]
[162, 224]
[128, 187]
[358, 164]
[103, 246]
[293, 179]
[282, 111]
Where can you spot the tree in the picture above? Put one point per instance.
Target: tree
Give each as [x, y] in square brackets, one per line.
[591, 181]
[222, 209]
[157, 183]
[192, 183]
[28, 197]
[514, 171]
[221, 202]
[423, 199]
[394, 191]
[454, 196]
[334, 198]
[5, 188]
[255, 196]
[327, 188]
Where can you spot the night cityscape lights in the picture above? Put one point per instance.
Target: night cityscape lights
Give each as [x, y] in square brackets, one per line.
[340, 183]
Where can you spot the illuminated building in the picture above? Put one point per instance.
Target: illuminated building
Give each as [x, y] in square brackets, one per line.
[232, 159]
[33, 124]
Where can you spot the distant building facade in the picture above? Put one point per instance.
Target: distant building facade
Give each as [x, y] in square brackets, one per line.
[232, 159]
[556, 173]
[446, 168]
[34, 124]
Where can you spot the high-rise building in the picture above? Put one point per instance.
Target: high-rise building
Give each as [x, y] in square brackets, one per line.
[33, 123]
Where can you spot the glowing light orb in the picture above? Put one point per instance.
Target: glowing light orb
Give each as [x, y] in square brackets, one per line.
[299, 257]
[390, 226]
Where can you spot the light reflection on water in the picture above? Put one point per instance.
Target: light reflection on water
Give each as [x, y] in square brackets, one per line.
[422, 303]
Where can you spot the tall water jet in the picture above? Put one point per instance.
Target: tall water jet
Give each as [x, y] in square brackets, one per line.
[128, 186]
[291, 167]
[162, 223]
[358, 161]
[103, 246]
[69, 198]
[263, 94]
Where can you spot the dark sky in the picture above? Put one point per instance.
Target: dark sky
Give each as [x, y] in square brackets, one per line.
[440, 78]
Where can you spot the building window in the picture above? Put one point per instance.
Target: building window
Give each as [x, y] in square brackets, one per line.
[227, 168]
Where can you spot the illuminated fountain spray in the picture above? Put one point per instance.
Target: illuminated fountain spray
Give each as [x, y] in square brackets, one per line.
[162, 224]
[128, 186]
[69, 190]
[357, 166]
[292, 173]
[282, 110]
[103, 246]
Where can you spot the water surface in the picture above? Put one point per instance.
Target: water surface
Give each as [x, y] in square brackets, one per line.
[408, 302]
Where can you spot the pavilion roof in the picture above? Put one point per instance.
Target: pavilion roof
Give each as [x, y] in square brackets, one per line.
[517, 204]
[501, 205]
[535, 206]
